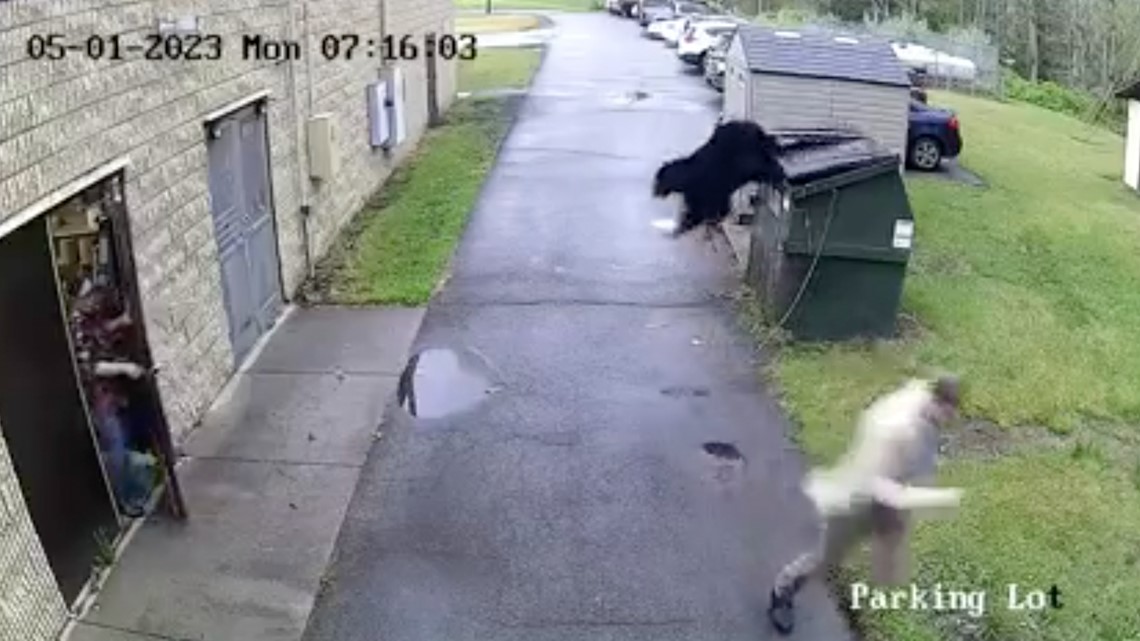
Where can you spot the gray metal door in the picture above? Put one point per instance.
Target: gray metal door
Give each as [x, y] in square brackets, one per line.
[243, 225]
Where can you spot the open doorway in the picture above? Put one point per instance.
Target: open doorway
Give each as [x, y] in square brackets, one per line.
[95, 267]
[79, 404]
[43, 417]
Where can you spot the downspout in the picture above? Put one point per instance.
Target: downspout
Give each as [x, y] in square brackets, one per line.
[308, 59]
[305, 208]
[385, 63]
[382, 5]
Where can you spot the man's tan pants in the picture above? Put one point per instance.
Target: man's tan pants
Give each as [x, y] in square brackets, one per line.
[888, 529]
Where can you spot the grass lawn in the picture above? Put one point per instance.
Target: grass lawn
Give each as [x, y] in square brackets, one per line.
[1030, 289]
[553, 5]
[495, 23]
[499, 69]
[397, 249]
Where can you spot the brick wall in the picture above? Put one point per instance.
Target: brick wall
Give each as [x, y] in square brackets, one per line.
[59, 119]
[62, 118]
[339, 89]
[31, 607]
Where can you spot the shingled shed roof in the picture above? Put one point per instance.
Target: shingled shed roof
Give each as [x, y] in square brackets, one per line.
[819, 55]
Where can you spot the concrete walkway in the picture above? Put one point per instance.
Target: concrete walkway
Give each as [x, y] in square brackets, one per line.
[267, 480]
[553, 481]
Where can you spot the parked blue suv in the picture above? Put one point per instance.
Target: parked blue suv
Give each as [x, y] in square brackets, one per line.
[932, 134]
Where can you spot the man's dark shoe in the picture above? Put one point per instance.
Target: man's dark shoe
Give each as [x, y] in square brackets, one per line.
[781, 612]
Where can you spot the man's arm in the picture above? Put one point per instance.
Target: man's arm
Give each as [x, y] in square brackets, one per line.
[107, 368]
[907, 463]
[907, 497]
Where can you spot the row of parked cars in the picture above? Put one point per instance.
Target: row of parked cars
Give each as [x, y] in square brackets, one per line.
[701, 37]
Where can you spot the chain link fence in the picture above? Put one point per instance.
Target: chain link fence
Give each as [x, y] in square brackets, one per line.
[945, 70]
[942, 55]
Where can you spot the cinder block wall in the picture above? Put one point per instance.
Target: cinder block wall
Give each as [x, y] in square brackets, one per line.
[61, 119]
[31, 607]
[338, 87]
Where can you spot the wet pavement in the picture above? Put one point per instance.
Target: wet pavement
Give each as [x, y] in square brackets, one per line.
[267, 478]
[607, 467]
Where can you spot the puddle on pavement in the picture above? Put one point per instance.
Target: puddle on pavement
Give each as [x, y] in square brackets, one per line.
[682, 391]
[722, 451]
[440, 382]
[728, 464]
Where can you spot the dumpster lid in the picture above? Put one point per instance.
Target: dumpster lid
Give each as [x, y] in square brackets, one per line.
[811, 155]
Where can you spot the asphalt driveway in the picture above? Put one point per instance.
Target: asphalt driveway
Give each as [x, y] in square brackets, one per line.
[556, 481]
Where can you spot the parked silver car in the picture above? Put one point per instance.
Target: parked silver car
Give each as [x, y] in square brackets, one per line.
[714, 61]
[652, 10]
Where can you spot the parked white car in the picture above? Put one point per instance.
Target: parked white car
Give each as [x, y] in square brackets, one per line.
[935, 63]
[672, 38]
[700, 37]
[667, 30]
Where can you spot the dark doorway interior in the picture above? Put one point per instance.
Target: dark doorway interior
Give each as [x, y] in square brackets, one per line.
[42, 414]
[79, 405]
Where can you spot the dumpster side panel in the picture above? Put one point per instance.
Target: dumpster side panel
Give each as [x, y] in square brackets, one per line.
[804, 223]
[872, 208]
[849, 299]
[864, 224]
[766, 257]
[857, 285]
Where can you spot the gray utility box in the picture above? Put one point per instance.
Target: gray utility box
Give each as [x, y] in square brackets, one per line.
[844, 208]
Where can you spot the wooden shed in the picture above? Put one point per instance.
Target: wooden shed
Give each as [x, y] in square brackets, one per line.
[798, 79]
[1132, 139]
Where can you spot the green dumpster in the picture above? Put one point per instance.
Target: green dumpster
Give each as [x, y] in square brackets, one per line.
[830, 246]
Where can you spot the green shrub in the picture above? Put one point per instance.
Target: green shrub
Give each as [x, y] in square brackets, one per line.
[1074, 102]
[788, 17]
